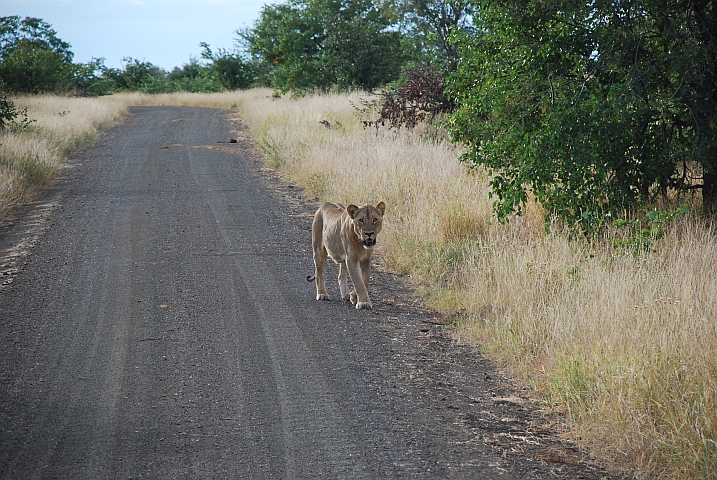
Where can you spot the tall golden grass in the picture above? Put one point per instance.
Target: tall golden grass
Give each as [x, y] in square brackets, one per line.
[624, 344]
[29, 158]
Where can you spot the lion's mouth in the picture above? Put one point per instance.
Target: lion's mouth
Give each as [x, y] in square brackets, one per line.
[369, 242]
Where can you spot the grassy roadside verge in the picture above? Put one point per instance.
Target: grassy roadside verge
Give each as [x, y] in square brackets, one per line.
[624, 344]
[30, 158]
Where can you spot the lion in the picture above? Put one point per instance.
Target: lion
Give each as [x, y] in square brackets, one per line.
[348, 236]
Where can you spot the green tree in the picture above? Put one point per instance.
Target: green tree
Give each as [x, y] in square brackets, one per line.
[32, 58]
[593, 107]
[136, 75]
[193, 77]
[229, 68]
[430, 23]
[88, 79]
[193, 69]
[324, 43]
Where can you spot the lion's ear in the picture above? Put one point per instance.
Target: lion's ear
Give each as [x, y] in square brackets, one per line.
[381, 207]
[352, 210]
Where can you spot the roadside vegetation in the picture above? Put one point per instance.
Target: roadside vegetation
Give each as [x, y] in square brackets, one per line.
[548, 169]
[39, 133]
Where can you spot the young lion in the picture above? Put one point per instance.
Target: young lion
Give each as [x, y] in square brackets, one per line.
[348, 237]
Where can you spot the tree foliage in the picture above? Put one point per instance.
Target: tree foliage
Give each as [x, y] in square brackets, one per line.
[193, 76]
[230, 69]
[32, 58]
[89, 79]
[593, 107]
[430, 23]
[325, 43]
[136, 74]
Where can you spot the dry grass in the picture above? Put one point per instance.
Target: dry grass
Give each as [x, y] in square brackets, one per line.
[30, 158]
[624, 345]
[210, 100]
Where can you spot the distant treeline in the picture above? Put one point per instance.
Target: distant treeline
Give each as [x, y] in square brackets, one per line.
[33, 59]
[595, 109]
[297, 45]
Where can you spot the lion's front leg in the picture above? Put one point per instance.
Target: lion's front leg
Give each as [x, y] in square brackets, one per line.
[359, 296]
[366, 272]
[343, 281]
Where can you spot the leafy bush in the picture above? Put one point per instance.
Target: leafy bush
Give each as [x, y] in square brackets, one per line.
[9, 114]
[200, 84]
[135, 75]
[643, 234]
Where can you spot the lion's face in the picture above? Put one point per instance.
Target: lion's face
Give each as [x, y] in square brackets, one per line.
[366, 222]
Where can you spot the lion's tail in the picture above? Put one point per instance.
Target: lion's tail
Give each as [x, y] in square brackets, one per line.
[317, 226]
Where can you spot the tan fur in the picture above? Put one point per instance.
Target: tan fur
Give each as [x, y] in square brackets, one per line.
[348, 236]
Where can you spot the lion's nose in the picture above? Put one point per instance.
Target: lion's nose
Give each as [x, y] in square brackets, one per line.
[368, 234]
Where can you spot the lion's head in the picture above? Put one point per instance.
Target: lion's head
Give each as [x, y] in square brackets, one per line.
[366, 222]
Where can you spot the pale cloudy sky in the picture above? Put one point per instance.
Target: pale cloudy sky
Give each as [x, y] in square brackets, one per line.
[164, 32]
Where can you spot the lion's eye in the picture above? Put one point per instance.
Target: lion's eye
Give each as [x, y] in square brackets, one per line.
[360, 221]
[375, 221]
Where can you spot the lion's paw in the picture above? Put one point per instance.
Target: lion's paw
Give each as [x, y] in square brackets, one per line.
[361, 305]
[353, 297]
[346, 297]
[323, 296]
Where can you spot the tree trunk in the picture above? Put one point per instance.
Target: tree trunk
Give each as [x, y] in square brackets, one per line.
[709, 192]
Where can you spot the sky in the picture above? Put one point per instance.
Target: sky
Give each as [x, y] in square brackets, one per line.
[164, 32]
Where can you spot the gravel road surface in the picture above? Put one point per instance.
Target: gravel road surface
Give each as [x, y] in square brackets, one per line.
[155, 323]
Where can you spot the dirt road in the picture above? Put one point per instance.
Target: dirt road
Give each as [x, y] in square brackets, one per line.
[155, 323]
